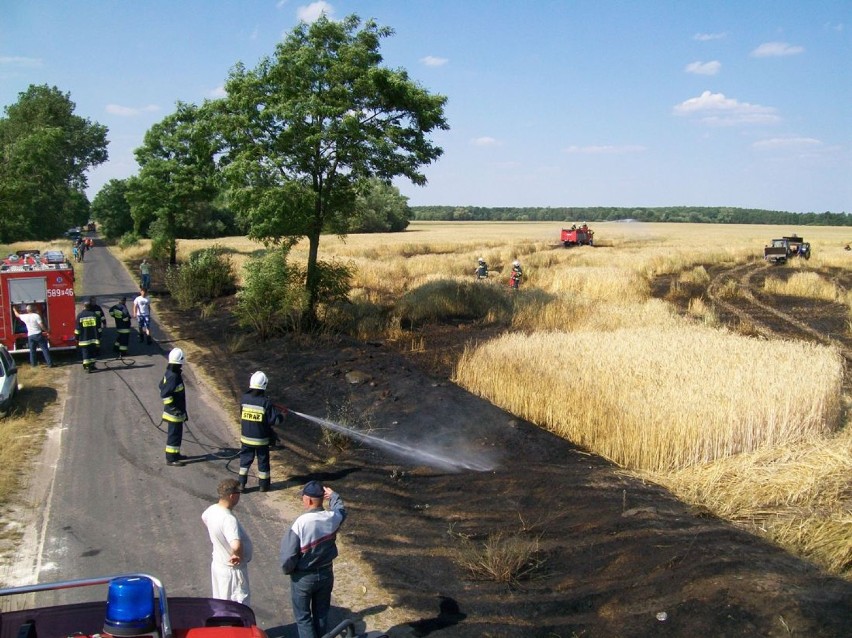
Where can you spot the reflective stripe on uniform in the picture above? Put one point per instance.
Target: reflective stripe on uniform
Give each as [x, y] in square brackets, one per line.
[253, 442]
[172, 450]
[173, 418]
[252, 412]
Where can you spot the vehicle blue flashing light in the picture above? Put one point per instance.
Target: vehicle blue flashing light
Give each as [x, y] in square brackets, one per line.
[130, 607]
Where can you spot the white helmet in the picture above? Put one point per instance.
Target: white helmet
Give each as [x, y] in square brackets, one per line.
[258, 381]
[516, 263]
[481, 260]
[177, 356]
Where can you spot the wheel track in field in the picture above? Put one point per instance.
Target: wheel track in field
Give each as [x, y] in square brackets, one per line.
[754, 311]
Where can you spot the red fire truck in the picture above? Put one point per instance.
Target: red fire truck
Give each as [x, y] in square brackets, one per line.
[47, 282]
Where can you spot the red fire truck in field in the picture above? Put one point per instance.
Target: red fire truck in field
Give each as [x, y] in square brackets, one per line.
[45, 280]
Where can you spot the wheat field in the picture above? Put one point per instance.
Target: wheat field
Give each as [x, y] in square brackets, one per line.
[725, 421]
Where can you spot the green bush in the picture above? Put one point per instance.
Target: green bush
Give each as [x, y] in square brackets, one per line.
[272, 298]
[448, 299]
[129, 239]
[207, 274]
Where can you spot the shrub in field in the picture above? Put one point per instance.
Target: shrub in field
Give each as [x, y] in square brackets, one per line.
[128, 240]
[503, 557]
[272, 298]
[661, 399]
[207, 274]
[443, 299]
[803, 284]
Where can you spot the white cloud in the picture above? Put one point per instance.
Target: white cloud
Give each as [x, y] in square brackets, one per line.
[16, 60]
[705, 37]
[838, 26]
[431, 60]
[130, 111]
[776, 49]
[217, 93]
[704, 68]
[606, 149]
[716, 109]
[485, 141]
[794, 143]
[280, 4]
[314, 11]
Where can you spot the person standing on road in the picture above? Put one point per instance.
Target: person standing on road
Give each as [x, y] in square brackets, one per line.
[145, 271]
[35, 334]
[232, 549]
[121, 314]
[173, 393]
[257, 416]
[142, 313]
[88, 332]
[93, 304]
[308, 549]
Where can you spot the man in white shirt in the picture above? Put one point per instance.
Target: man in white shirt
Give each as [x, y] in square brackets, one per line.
[35, 334]
[232, 547]
[142, 313]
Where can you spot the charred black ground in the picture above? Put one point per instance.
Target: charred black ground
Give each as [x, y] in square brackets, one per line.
[616, 554]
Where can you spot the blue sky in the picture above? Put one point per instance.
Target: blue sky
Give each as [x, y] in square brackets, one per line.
[742, 103]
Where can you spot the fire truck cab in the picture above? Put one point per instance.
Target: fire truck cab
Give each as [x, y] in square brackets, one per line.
[47, 282]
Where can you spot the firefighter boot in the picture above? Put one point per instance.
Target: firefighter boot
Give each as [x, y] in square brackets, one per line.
[264, 485]
[243, 481]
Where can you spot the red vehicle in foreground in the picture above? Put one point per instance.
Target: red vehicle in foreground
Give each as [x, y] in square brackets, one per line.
[45, 280]
[136, 606]
[577, 236]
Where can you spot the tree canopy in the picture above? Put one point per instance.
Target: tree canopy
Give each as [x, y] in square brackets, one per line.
[112, 210]
[177, 181]
[45, 151]
[307, 125]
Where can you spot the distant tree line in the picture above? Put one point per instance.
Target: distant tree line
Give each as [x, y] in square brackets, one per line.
[683, 214]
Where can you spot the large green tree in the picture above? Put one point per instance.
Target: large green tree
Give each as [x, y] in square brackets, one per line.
[178, 181]
[45, 151]
[379, 208]
[111, 209]
[308, 124]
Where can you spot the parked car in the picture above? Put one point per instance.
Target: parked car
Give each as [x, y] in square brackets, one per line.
[8, 380]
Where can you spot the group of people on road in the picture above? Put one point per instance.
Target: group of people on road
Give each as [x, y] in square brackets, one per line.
[80, 246]
[308, 546]
[515, 277]
[90, 324]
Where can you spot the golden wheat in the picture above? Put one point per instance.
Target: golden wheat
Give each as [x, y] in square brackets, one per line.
[803, 284]
[643, 396]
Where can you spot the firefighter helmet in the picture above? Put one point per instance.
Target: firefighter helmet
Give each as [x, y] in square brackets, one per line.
[516, 263]
[176, 356]
[481, 260]
[258, 381]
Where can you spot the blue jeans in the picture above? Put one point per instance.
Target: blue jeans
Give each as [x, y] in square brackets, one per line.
[39, 341]
[146, 281]
[310, 593]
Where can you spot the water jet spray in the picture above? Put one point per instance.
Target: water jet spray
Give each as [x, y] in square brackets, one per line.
[432, 459]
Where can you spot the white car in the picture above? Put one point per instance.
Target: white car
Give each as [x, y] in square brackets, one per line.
[8, 380]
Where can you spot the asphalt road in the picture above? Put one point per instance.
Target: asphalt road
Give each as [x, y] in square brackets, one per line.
[115, 506]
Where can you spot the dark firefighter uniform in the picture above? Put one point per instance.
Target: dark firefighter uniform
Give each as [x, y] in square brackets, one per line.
[173, 393]
[87, 330]
[257, 416]
[121, 314]
[93, 305]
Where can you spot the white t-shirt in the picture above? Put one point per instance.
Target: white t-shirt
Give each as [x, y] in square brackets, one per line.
[142, 306]
[33, 323]
[223, 527]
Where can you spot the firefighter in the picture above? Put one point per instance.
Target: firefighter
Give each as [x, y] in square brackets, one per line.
[88, 332]
[93, 304]
[481, 269]
[257, 416]
[173, 393]
[121, 314]
[517, 273]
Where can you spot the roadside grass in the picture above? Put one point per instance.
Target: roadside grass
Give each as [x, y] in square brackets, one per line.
[724, 420]
[34, 411]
